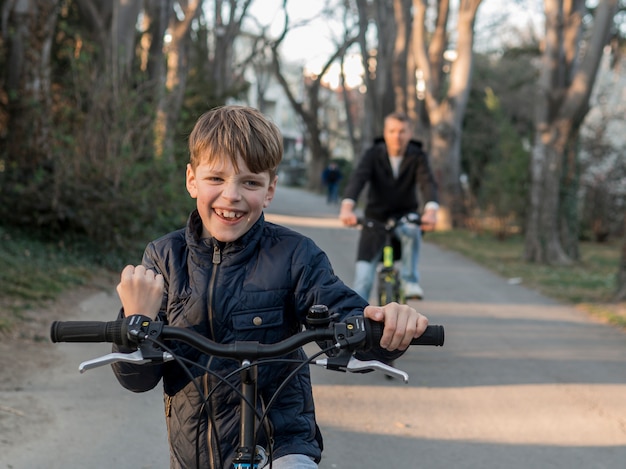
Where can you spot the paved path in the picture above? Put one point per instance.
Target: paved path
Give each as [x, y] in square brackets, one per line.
[522, 382]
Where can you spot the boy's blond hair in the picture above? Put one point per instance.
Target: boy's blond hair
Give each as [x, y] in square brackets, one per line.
[232, 131]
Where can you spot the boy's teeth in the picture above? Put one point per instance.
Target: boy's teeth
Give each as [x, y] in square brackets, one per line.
[227, 214]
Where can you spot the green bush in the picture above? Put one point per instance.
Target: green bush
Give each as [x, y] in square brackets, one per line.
[100, 181]
[506, 176]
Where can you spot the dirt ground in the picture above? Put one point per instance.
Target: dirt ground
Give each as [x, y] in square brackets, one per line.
[26, 350]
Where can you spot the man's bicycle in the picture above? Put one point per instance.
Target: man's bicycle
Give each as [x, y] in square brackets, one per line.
[339, 342]
[389, 284]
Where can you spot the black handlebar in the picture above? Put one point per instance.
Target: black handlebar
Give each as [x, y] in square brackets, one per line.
[89, 331]
[390, 224]
[355, 333]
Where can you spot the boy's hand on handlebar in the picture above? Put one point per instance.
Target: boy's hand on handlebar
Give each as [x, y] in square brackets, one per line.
[141, 291]
[402, 324]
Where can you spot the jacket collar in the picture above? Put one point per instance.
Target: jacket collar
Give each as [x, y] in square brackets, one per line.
[193, 233]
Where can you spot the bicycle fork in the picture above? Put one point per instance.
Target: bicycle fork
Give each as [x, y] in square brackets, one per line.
[249, 455]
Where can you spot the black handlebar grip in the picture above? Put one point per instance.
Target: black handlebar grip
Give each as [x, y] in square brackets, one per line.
[87, 331]
[433, 335]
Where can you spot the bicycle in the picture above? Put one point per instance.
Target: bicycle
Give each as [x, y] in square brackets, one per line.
[388, 275]
[339, 341]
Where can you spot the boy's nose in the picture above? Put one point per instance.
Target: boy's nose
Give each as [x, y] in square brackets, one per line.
[231, 191]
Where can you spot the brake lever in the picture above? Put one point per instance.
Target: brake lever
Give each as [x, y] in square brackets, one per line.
[355, 365]
[135, 357]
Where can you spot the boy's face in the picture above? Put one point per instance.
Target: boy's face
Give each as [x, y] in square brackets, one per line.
[229, 202]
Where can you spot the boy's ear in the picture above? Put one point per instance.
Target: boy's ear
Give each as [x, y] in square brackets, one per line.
[271, 190]
[192, 187]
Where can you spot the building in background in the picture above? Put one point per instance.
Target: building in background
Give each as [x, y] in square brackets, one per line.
[267, 94]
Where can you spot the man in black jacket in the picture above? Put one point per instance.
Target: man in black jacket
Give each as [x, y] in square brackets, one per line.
[395, 168]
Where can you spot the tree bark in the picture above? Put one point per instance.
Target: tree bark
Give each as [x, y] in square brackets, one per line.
[371, 104]
[123, 32]
[446, 112]
[378, 65]
[565, 84]
[621, 274]
[29, 84]
[170, 102]
[402, 10]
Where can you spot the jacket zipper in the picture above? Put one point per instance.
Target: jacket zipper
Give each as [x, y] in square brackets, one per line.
[217, 259]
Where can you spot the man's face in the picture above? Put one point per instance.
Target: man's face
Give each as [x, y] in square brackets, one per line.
[229, 202]
[397, 135]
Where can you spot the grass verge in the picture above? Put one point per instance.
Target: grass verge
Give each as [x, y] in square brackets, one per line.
[36, 271]
[589, 284]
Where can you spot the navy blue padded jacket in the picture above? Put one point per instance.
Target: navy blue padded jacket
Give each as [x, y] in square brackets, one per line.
[258, 288]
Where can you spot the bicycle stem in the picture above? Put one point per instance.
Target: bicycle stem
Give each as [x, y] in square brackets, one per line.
[246, 453]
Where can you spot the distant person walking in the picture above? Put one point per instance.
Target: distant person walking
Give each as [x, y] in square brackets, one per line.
[330, 178]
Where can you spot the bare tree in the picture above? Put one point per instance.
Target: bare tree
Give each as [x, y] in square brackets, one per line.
[566, 80]
[152, 42]
[112, 25]
[177, 60]
[446, 105]
[351, 123]
[28, 83]
[309, 109]
[225, 73]
[229, 16]
[123, 39]
[377, 63]
[399, 70]
[405, 49]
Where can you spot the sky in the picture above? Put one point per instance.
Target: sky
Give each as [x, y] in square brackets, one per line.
[313, 44]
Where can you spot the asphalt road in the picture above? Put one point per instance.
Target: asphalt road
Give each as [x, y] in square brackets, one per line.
[521, 382]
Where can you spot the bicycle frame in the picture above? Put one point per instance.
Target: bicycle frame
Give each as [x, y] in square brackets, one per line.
[389, 285]
[338, 340]
[248, 451]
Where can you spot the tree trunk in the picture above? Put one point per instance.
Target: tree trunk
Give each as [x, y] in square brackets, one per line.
[565, 84]
[542, 236]
[170, 103]
[29, 85]
[621, 274]
[444, 135]
[309, 108]
[371, 104]
[446, 114]
[399, 69]
[569, 220]
[379, 100]
[123, 32]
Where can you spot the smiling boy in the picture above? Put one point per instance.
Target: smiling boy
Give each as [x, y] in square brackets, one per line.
[231, 275]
